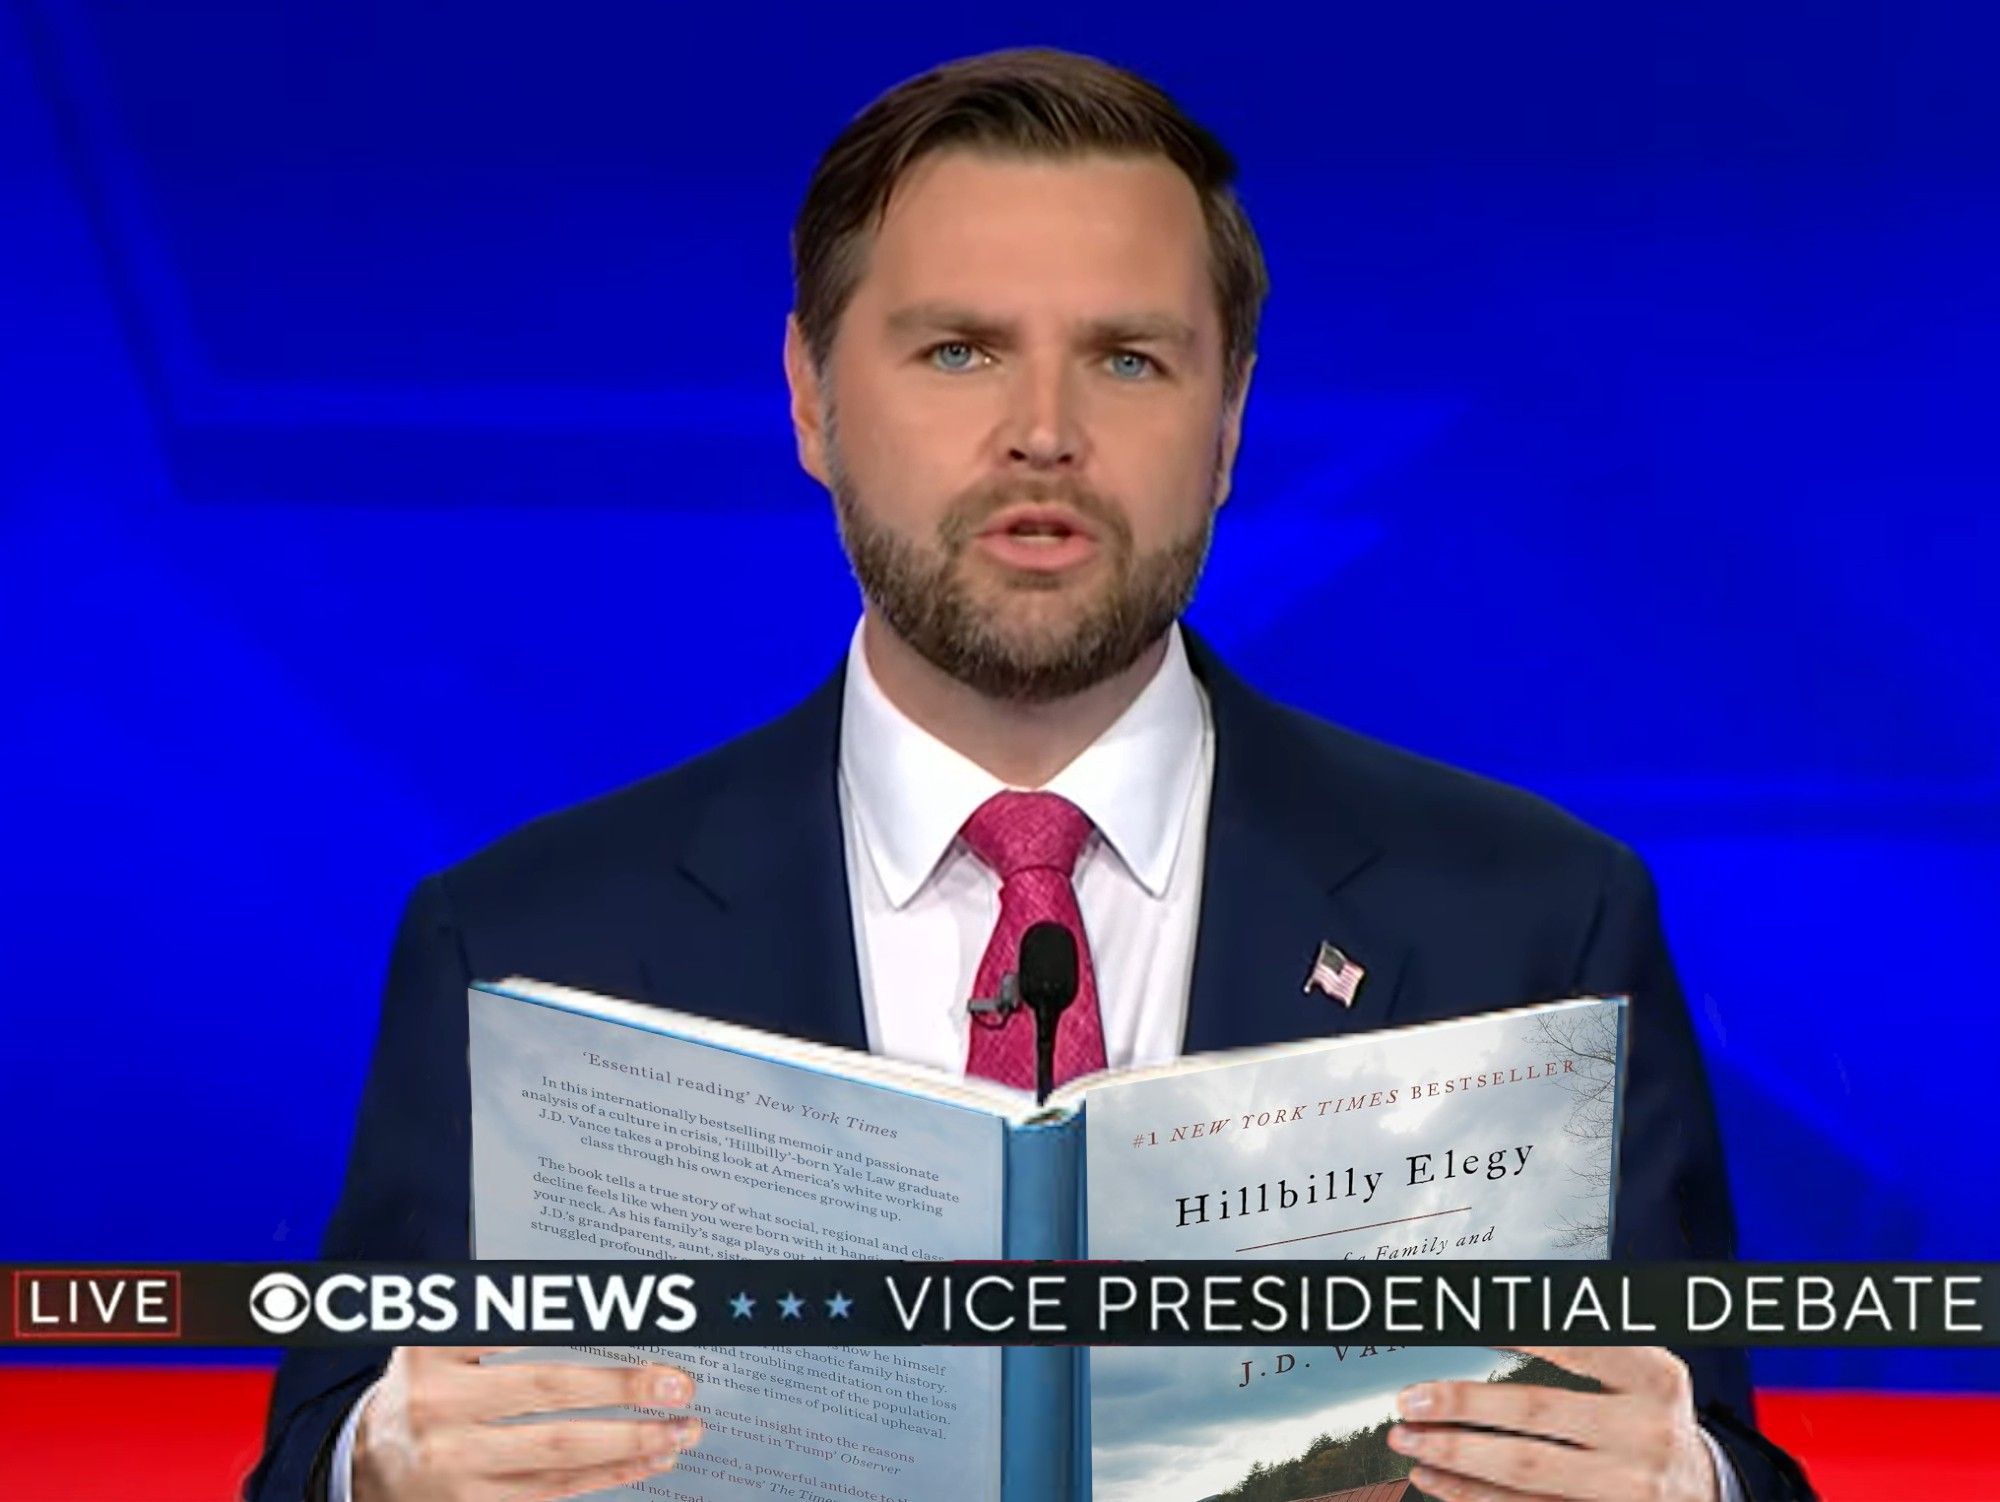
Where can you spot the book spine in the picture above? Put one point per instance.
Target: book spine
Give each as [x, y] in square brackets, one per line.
[1080, 1472]
[1038, 1384]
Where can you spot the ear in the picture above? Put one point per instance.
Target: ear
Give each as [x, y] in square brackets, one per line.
[1232, 434]
[808, 405]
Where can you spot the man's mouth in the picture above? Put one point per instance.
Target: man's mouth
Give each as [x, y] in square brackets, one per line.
[1046, 525]
[1038, 538]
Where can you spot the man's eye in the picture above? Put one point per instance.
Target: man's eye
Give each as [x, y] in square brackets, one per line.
[953, 355]
[1131, 364]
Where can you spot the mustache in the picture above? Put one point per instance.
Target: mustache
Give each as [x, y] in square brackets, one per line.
[971, 510]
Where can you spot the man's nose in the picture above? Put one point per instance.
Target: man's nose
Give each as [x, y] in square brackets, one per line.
[1044, 429]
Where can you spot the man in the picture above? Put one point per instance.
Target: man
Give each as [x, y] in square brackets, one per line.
[1022, 344]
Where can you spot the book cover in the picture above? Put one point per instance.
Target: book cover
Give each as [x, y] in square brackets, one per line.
[1483, 1137]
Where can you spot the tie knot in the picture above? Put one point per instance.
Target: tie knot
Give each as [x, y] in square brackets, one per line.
[1014, 832]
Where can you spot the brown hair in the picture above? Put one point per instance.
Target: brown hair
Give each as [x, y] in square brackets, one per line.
[1032, 101]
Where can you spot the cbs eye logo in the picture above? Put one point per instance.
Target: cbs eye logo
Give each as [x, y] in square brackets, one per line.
[280, 1303]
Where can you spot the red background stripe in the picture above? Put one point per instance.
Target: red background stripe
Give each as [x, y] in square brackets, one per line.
[110, 1434]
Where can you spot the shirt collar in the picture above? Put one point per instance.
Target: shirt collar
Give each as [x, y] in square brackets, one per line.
[911, 793]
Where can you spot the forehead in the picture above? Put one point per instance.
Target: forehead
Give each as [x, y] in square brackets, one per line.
[1015, 233]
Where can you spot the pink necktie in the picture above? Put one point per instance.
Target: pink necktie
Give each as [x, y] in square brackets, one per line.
[1031, 842]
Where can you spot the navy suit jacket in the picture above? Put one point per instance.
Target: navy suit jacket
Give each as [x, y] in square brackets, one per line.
[721, 887]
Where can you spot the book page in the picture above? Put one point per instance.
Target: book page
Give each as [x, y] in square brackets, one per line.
[595, 1139]
[1485, 1137]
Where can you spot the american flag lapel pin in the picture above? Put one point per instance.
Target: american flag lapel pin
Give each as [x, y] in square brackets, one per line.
[1335, 975]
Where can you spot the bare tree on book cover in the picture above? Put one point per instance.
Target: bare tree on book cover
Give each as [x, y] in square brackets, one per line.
[1590, 1041]
[1336, 1463]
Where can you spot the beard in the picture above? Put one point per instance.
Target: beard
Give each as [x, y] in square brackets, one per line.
[1020, 641]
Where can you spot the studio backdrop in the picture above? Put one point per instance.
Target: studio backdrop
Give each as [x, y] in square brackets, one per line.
[393, 447]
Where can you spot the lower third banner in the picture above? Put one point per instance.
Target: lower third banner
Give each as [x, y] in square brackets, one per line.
[1004, 1303]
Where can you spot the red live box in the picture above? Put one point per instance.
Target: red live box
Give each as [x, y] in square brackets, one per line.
[97, 1303]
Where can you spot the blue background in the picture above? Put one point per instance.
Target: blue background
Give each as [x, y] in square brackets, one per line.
[393, 447]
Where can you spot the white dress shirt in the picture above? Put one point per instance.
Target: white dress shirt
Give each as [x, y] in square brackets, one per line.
[924, 906]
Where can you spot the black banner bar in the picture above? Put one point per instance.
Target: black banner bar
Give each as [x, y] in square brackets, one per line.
[564, 1303]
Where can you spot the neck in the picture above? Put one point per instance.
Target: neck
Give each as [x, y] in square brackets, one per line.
[1024, 745]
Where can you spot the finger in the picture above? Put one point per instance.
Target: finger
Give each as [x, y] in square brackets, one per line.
[459, 1355]
[1446, 1487]
[1527, 1465]
[424, 1362]
[548, 1487]
[1581, 1418]
[1629, 1369]
[524, 1387]
[523, 1450]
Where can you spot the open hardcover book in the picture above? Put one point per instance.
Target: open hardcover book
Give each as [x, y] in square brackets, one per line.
[609, 1128]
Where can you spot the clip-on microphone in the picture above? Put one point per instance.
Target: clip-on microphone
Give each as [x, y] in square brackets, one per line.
[1048, 985]
[1045, 982]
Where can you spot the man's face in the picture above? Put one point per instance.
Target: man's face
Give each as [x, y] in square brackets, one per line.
[1022, 420]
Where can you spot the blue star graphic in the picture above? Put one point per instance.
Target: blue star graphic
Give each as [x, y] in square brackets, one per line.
[838, 1305]
[741, 1305]
[790, 1305]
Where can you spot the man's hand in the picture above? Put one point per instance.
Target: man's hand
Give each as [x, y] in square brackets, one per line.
[1637, 1441]
[427, 1436]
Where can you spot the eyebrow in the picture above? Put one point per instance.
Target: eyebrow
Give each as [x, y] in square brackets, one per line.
[1123, 328]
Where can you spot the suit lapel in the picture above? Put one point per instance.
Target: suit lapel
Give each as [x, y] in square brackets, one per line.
[775, 935]
[1284, 854]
